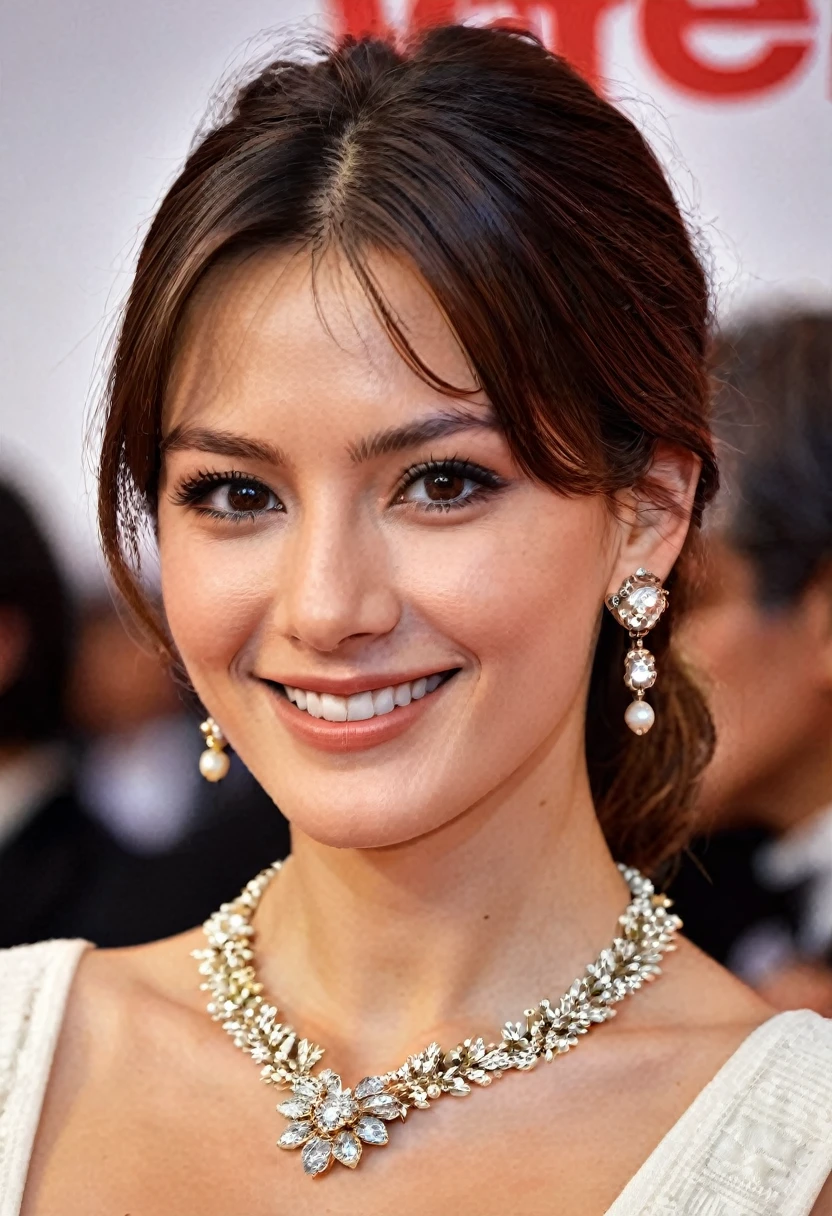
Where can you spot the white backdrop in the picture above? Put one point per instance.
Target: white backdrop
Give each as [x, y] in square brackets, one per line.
[99, 100]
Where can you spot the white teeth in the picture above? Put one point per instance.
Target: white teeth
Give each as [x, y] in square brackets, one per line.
[361, 705]
[334, 708]
[383, 702]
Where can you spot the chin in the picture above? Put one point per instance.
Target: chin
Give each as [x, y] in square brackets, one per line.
[368, 822]
[364, 829]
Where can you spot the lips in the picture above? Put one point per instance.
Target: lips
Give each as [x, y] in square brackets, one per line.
[359, 717]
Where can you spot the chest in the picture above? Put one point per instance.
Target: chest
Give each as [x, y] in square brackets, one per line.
[144, 1140]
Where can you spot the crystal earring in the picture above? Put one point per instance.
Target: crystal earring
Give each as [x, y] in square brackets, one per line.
[213, 763]
[638, 605]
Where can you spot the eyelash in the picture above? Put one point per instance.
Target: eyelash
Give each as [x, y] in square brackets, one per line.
[487, 481]
[191, 492]
[194, 489]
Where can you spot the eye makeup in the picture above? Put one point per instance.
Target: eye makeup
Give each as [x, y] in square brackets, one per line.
[246, 497]
[446, 484]
[431, 485]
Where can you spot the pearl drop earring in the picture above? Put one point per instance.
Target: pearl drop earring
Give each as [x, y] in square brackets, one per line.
[213, 763]
[638, 605]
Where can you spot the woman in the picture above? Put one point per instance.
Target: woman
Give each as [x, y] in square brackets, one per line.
[410, 382]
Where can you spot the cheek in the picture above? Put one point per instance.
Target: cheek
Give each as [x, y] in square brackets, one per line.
[215, 596]
[724, 645]
[749, 660]
[756, 683]
[523, 602]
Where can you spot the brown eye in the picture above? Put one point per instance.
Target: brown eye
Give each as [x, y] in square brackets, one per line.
[444, 487]
[440, 485]
[241, 497]
[235, 499]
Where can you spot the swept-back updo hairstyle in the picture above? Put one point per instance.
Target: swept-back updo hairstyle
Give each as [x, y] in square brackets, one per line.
[543, 224]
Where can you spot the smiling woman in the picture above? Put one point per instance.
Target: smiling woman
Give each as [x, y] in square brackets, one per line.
[411, 390]
[388, 220]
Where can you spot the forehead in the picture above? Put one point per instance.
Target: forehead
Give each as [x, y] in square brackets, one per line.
[271, 337]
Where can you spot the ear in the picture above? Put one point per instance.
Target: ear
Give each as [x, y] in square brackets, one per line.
[654, 516]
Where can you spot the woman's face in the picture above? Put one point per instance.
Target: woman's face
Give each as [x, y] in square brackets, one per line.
[767, 675]
[330, 523]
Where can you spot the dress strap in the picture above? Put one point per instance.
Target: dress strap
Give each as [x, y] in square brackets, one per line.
[34, 985]
[757, 1140]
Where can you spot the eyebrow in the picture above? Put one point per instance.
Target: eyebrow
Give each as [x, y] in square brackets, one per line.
[382, 443]
[436, 426]
[222, 443]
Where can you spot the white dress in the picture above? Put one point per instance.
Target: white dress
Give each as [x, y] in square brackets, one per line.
[757, 1141]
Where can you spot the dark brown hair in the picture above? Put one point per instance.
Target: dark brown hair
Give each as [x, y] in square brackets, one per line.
[773, 416]
[543, 224]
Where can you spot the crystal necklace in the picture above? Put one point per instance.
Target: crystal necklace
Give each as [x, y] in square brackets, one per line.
[330, 1123]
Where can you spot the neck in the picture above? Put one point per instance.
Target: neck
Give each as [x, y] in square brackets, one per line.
[375, 952]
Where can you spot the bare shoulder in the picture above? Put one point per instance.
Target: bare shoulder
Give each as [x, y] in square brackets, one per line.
[670, 1042]
[719, 996]
[700, 1000]
[823, 1205]
[115, 988]
[161, 970]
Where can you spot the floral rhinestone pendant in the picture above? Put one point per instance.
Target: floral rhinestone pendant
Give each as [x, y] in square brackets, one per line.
[330, 1123]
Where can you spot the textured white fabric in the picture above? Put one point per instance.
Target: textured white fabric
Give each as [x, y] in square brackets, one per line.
[757, 1140]
[34, 984]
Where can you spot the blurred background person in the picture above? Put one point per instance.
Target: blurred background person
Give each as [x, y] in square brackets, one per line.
[100, 794]
[52, 854]
[756, 891]
[138, 775]
[192, 843]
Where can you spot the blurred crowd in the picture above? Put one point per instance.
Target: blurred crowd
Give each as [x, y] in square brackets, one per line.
[101, 802]
[107, 830]
[755, 890]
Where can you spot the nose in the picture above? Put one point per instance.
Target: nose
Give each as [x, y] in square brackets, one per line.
[338, 582]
